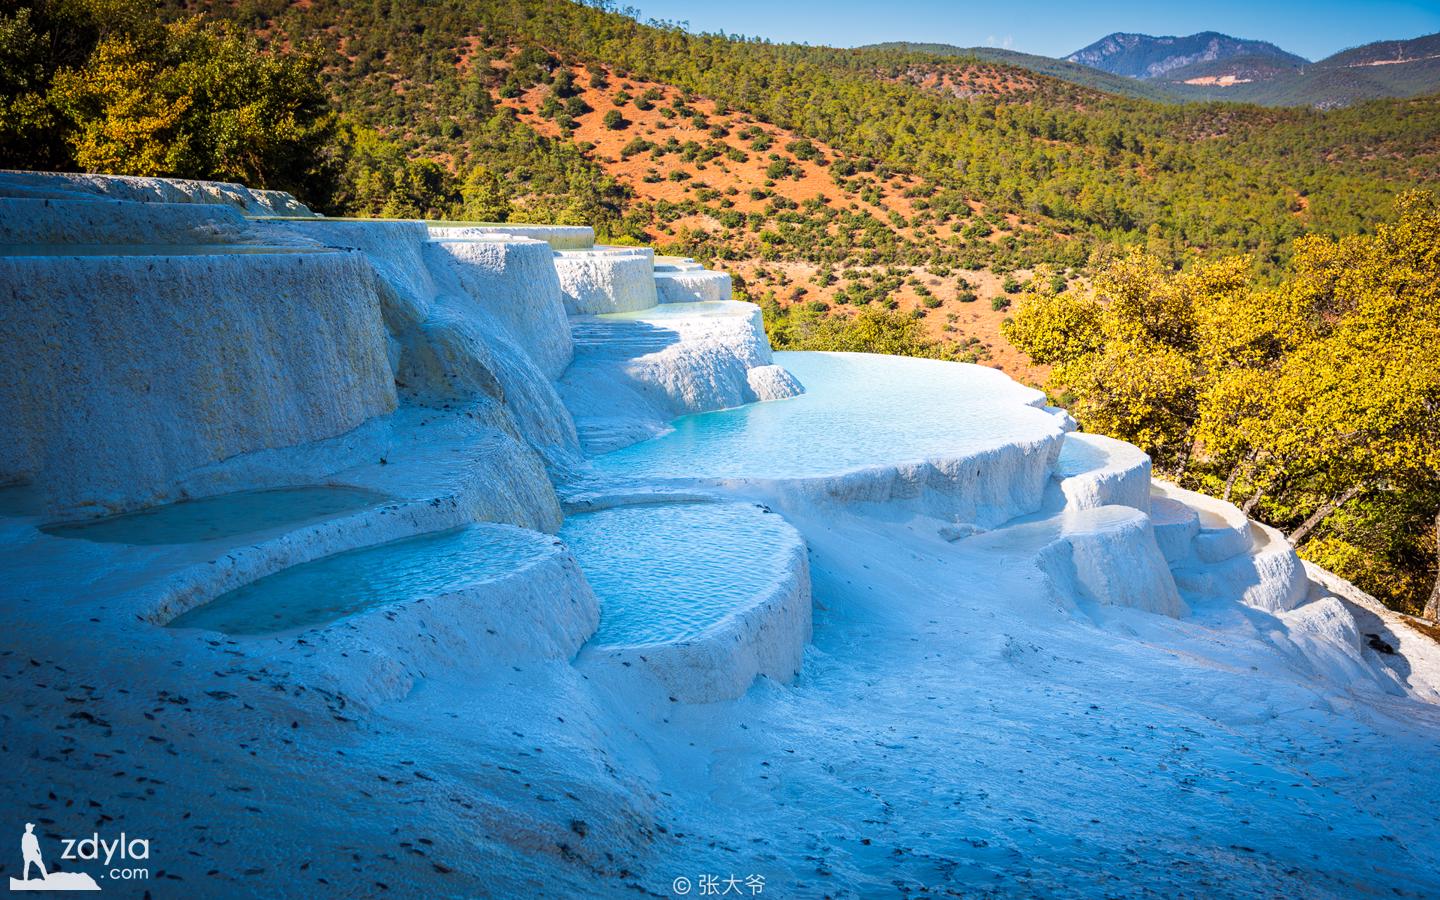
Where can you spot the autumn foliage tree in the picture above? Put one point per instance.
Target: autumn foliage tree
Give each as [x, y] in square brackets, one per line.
[1315, 403]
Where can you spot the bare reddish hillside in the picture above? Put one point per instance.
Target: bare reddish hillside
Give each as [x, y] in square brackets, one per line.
[744, 171]
[729, 163]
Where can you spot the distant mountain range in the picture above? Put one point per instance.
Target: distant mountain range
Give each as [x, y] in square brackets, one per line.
[1214, 66]
[1045, 65]
[1143, 56]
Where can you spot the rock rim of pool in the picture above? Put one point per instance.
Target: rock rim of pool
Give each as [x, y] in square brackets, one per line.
[749, 569]
[533, 604]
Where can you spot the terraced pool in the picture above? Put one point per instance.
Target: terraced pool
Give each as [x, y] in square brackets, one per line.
[668, 572]
[330, 588]
[223, 516]
[858, 410]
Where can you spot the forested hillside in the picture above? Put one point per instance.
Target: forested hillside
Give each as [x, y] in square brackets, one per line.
[1384, 69]
[978, 169]
[1204, 176]
[1074, 73]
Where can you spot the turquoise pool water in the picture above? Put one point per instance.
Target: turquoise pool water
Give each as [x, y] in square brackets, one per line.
[333, 587]
[223, 516]
[667, 572]
[858, 410]
[1077, 457]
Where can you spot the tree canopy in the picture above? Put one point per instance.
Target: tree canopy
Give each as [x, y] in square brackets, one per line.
[1315, 402]
[106, 86]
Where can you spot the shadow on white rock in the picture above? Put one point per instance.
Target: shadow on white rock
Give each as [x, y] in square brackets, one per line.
[1103, 554]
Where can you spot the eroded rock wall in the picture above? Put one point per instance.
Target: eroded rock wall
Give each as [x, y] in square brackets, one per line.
[128, 370]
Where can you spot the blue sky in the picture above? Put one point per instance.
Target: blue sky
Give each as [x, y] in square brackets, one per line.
[1313, 29]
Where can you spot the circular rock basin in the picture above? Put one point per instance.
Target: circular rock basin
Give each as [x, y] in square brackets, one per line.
[223, 516]
[330, 588]
[669, 572]
[858, 410]
[1078, 456]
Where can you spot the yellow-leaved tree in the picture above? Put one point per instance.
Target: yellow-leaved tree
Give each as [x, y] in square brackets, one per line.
[1315, 403]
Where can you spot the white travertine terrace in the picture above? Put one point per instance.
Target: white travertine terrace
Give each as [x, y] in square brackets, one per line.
[514, 283]
[683, 280]
[946, 587]
[711, 619]
[634, 372]
[559, 237]
[1094, 470]
[69, 185]
[102, 413]
[607, 279]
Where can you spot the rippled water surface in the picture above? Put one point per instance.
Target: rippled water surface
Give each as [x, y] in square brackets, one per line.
[858, 410]
[223, 516]
[333, 587]
[670, 571]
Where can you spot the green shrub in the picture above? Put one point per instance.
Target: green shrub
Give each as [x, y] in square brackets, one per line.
[778, 168]
[635, 147]
[802, 148]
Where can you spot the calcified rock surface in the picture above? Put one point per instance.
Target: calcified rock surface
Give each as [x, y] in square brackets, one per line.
[503, 564]
[65, 185]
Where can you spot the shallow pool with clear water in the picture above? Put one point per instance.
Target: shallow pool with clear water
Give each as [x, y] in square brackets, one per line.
[1077, 457]
[333, 587]
[223, 516]
[668, 572]
[858, 410]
